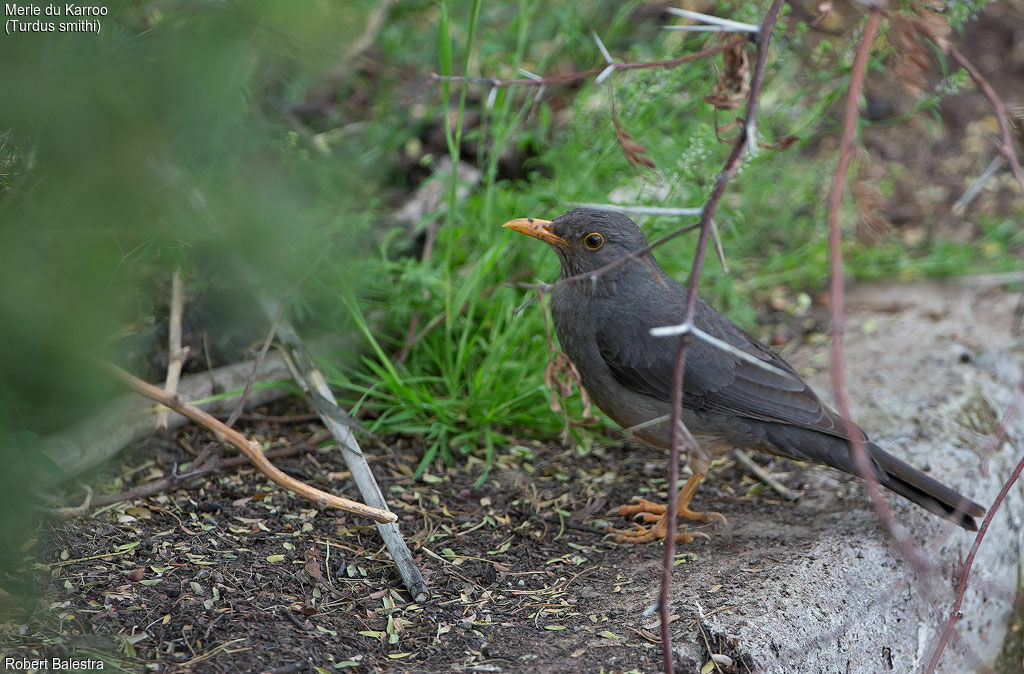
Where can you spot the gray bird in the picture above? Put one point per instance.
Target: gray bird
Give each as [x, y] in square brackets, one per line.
[603, 325]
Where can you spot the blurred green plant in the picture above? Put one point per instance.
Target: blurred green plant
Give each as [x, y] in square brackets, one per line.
[160, 143]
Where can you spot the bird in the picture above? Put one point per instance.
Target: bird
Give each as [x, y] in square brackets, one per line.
[603, 318]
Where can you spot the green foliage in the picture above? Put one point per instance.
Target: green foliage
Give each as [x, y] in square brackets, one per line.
[475, 373]
[962, 11]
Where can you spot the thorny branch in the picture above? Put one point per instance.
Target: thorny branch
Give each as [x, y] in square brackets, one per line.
[856, 440]
[731, 166]
[837, 291]
[1009, 152]
[587, 74]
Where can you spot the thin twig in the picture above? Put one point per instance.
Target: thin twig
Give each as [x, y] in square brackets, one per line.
[857, 442]
[1000, 109]
[267, 341]
[707, 644]
[299, 418]
[325, 92]
[1004, 424]
[175, 353]
[251, 449]
[975, 187]
[592, 276]
[587, 74]
[994, 443]
[763, 475]
[719, 249]
[846, 148]
[954, 615]
[731, 166]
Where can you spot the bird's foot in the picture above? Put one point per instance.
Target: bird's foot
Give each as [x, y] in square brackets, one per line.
[647, 512]
[656, 533]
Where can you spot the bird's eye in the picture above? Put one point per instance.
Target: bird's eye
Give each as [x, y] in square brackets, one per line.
[593, 241]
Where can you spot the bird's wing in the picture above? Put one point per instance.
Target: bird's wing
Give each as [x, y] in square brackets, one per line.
[715, 380]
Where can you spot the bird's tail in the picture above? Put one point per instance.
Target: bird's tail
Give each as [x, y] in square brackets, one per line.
[930, 494]
[902, 478]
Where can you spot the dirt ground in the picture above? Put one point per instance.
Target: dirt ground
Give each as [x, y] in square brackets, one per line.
[230, 574]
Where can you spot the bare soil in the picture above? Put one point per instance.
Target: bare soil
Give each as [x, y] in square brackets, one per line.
[231, 574]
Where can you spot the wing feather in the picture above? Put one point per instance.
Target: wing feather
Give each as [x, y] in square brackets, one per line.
[715, 380]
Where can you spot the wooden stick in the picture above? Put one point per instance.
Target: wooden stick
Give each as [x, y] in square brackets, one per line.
[251, 449]
[312, 380]
[763, 475]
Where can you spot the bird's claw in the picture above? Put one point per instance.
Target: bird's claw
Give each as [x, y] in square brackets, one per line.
[649, 512]
[652, 513]
[655, 533]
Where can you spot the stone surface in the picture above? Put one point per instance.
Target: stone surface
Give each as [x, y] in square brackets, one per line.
[819, 587]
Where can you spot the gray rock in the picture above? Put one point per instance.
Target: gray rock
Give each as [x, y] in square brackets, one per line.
[818, 587]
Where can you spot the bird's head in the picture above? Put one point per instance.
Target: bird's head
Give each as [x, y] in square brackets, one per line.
[585, 239]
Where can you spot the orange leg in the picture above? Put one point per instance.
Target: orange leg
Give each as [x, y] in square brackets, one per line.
[648, 512]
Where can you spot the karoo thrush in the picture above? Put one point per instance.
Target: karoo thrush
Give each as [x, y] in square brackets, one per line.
[603, 322]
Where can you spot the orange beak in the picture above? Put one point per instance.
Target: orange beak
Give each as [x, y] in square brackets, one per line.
[538, 229]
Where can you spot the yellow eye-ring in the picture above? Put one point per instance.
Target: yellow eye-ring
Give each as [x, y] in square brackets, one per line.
[593, 241]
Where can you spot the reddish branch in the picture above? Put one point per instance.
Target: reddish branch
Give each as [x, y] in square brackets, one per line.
[587, 74]
[1006, 147]
[251, 450]
[835, 200]
[954, 615]
[732, 164]
[838, 373]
